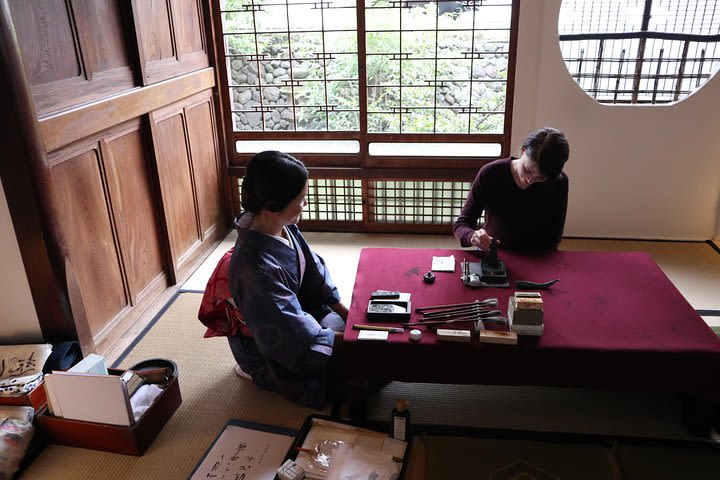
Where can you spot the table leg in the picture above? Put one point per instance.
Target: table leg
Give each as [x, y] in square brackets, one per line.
[700, 414]
[357, 400]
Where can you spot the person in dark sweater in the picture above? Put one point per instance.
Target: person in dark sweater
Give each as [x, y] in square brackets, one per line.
[524, 199]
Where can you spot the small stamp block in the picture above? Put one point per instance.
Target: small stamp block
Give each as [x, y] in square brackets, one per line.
[448, 335]
[494, 336]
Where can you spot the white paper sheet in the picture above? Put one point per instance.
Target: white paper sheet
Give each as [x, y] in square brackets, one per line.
[255, 453]
[443, 264]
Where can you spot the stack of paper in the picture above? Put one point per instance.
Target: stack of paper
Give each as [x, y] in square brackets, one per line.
[333, 450]
[87, 392]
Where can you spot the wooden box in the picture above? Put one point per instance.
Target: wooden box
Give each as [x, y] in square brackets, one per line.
[133, 440]
[36, 398]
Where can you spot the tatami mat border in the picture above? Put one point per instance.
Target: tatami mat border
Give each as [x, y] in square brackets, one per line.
[147, 328]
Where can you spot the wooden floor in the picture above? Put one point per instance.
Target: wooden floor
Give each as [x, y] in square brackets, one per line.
[694, 267]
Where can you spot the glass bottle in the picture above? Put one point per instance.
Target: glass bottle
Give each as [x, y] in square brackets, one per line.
[401, 420]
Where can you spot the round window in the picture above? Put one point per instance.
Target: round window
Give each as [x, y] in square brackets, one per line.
[640, 52]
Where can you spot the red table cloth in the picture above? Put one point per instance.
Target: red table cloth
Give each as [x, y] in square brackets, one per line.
[613, 321]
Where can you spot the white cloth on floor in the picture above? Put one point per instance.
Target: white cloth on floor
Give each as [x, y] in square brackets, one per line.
[143, 398]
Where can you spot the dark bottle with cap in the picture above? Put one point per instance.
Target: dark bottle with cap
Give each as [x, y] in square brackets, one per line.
[401, 421]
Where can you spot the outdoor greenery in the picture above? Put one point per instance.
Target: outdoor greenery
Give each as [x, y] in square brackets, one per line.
[436, 88]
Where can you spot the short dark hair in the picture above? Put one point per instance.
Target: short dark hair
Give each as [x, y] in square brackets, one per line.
[272, 180]
[549, 149]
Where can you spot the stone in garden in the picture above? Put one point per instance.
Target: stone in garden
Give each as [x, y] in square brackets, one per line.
[272, 93]
[300, 72]
[244, 96]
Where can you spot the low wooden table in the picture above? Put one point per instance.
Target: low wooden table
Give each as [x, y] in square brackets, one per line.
[614, 321]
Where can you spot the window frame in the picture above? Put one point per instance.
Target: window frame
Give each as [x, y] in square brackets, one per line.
[361, 165]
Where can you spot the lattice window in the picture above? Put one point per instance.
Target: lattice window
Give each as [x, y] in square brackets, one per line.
[417, 202]
[334, 200]
[330, 200]
[292, 66]
[408, 93]
[389, 201]
[437, 67]
[432, 67]
[633, 51]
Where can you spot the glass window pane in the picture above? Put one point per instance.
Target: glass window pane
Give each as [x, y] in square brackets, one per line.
[383, 123]
[310, 118]
[305, 17]
[378, 19]
[342, 67]
[272, 44]
[344, 121]
[271, 18]
[382, 42]
[418, 44]
[340, 95]
[341, 42]
[238, 22]
[418, 121]
[451, 121]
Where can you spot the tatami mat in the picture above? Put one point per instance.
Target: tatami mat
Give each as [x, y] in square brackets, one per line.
[211, 394]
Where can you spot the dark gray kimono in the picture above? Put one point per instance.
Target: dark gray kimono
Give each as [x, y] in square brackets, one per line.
[284, 298]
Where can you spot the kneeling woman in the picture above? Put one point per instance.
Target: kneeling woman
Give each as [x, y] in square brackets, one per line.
[283, 289]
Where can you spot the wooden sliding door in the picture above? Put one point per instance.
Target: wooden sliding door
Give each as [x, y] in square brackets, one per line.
[123, 155]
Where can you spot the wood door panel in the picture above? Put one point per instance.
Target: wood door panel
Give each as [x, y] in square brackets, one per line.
[100, 26]
[73, 53]
[152, 20]
[190, 34]
[88, 236]
[133, 210]
[170, 38]
[205, 164]
[46, 40]
[173, 164]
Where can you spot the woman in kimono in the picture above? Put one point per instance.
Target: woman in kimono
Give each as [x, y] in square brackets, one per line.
[283, 289]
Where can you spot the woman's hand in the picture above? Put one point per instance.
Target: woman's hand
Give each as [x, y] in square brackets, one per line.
[341, 310]
[481, 240]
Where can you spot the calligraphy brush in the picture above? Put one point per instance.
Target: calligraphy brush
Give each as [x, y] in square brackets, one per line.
[479, 313]
[435, 323]
[489, 302]
[475, 308]
[466, 318]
